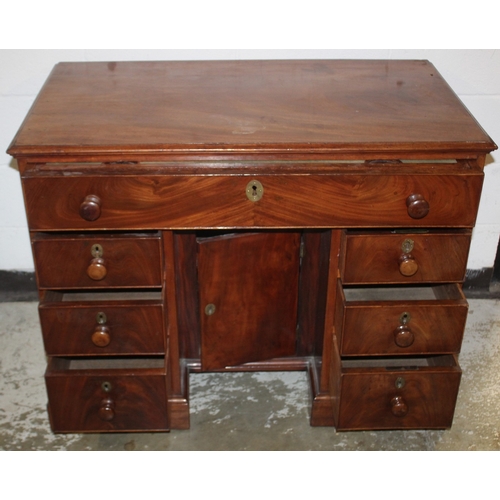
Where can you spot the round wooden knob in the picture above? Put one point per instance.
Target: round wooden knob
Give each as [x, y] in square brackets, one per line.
[107, 409]
[417, 206]
[407, 265]
[398, 406]
[403, 336]
[97, 269]
[90, 209]
[101, 336]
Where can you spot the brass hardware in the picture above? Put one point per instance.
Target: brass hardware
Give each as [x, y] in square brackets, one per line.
[302, 250]
[400, 383]
[106, 386]
[96, 251]
[101, 318]
[407, 245]
[209, 309]
[255, 190]
[405, 318]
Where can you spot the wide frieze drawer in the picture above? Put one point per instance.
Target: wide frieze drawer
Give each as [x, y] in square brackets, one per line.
[107, 395]
[251, 200]
[387, 257]
[105, 328]
[97, 261]
[401, 321]
[416, 393]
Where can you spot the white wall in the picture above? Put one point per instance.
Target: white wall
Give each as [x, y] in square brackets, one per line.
[473, 74]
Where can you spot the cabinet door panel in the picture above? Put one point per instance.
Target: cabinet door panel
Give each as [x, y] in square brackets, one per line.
[248, 297]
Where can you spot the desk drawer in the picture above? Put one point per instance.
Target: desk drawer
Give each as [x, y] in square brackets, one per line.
[107, 395]
[97, 261]
[92, 327]
[366, 199]
[384, 257]
[401, 321]
[405, 394]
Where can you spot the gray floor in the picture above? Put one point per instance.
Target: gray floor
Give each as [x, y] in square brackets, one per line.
[259, 411]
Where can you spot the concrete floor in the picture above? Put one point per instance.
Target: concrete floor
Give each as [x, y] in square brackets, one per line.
[247, 411]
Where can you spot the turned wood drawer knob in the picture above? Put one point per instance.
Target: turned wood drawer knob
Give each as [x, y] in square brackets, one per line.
[107, 409]
[90, 209]
[97, 269]
[403, 336]
[101, 336]
[417, 206]
[398, 406]
[408, 266]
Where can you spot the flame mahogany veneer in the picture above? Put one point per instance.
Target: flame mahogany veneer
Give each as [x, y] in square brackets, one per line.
[250, 215]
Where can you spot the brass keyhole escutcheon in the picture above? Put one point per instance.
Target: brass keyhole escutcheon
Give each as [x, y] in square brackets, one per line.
[96, 251]
[209, 309]
[106, 386]
[400, 383]
[407, 245]
[101, 318]
[255, 190]
[405, 318]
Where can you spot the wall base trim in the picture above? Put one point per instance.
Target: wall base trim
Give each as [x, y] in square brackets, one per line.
[18, 286]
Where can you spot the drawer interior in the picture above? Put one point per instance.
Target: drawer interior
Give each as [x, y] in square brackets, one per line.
[401, 363]
[115, 363]
[406, 293]
[103, 296]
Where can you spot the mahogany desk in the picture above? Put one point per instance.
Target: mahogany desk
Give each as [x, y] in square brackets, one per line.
[250, 215]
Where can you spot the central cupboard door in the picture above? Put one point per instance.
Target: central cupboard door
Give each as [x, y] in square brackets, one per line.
[248, 285]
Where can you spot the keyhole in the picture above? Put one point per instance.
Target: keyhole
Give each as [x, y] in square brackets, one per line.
[405, 318]
[96, 250]
[255, 190]
[400, 383]
[106, 386]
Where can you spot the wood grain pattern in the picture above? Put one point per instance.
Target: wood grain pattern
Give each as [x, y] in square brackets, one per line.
[75, 398]
[216, 201]
[374, 257]
[312, 292]
[97, 108]
[429, 393]
[131, 262]
[369, 326]
[252, 282]
[134, 328]
[187, 296]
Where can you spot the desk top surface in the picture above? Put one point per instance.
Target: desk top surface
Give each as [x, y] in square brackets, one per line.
[340, 106]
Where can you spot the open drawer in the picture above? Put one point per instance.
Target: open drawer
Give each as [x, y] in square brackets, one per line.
[101, 323]
[395, 393]
[381, 321]
[107, 395]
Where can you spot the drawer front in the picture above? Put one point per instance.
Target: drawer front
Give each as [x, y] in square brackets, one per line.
[80, 403]
[368, 199]
[106, 329]
[372, 399]
[381, 328]
[97, 262]
[405, 258]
